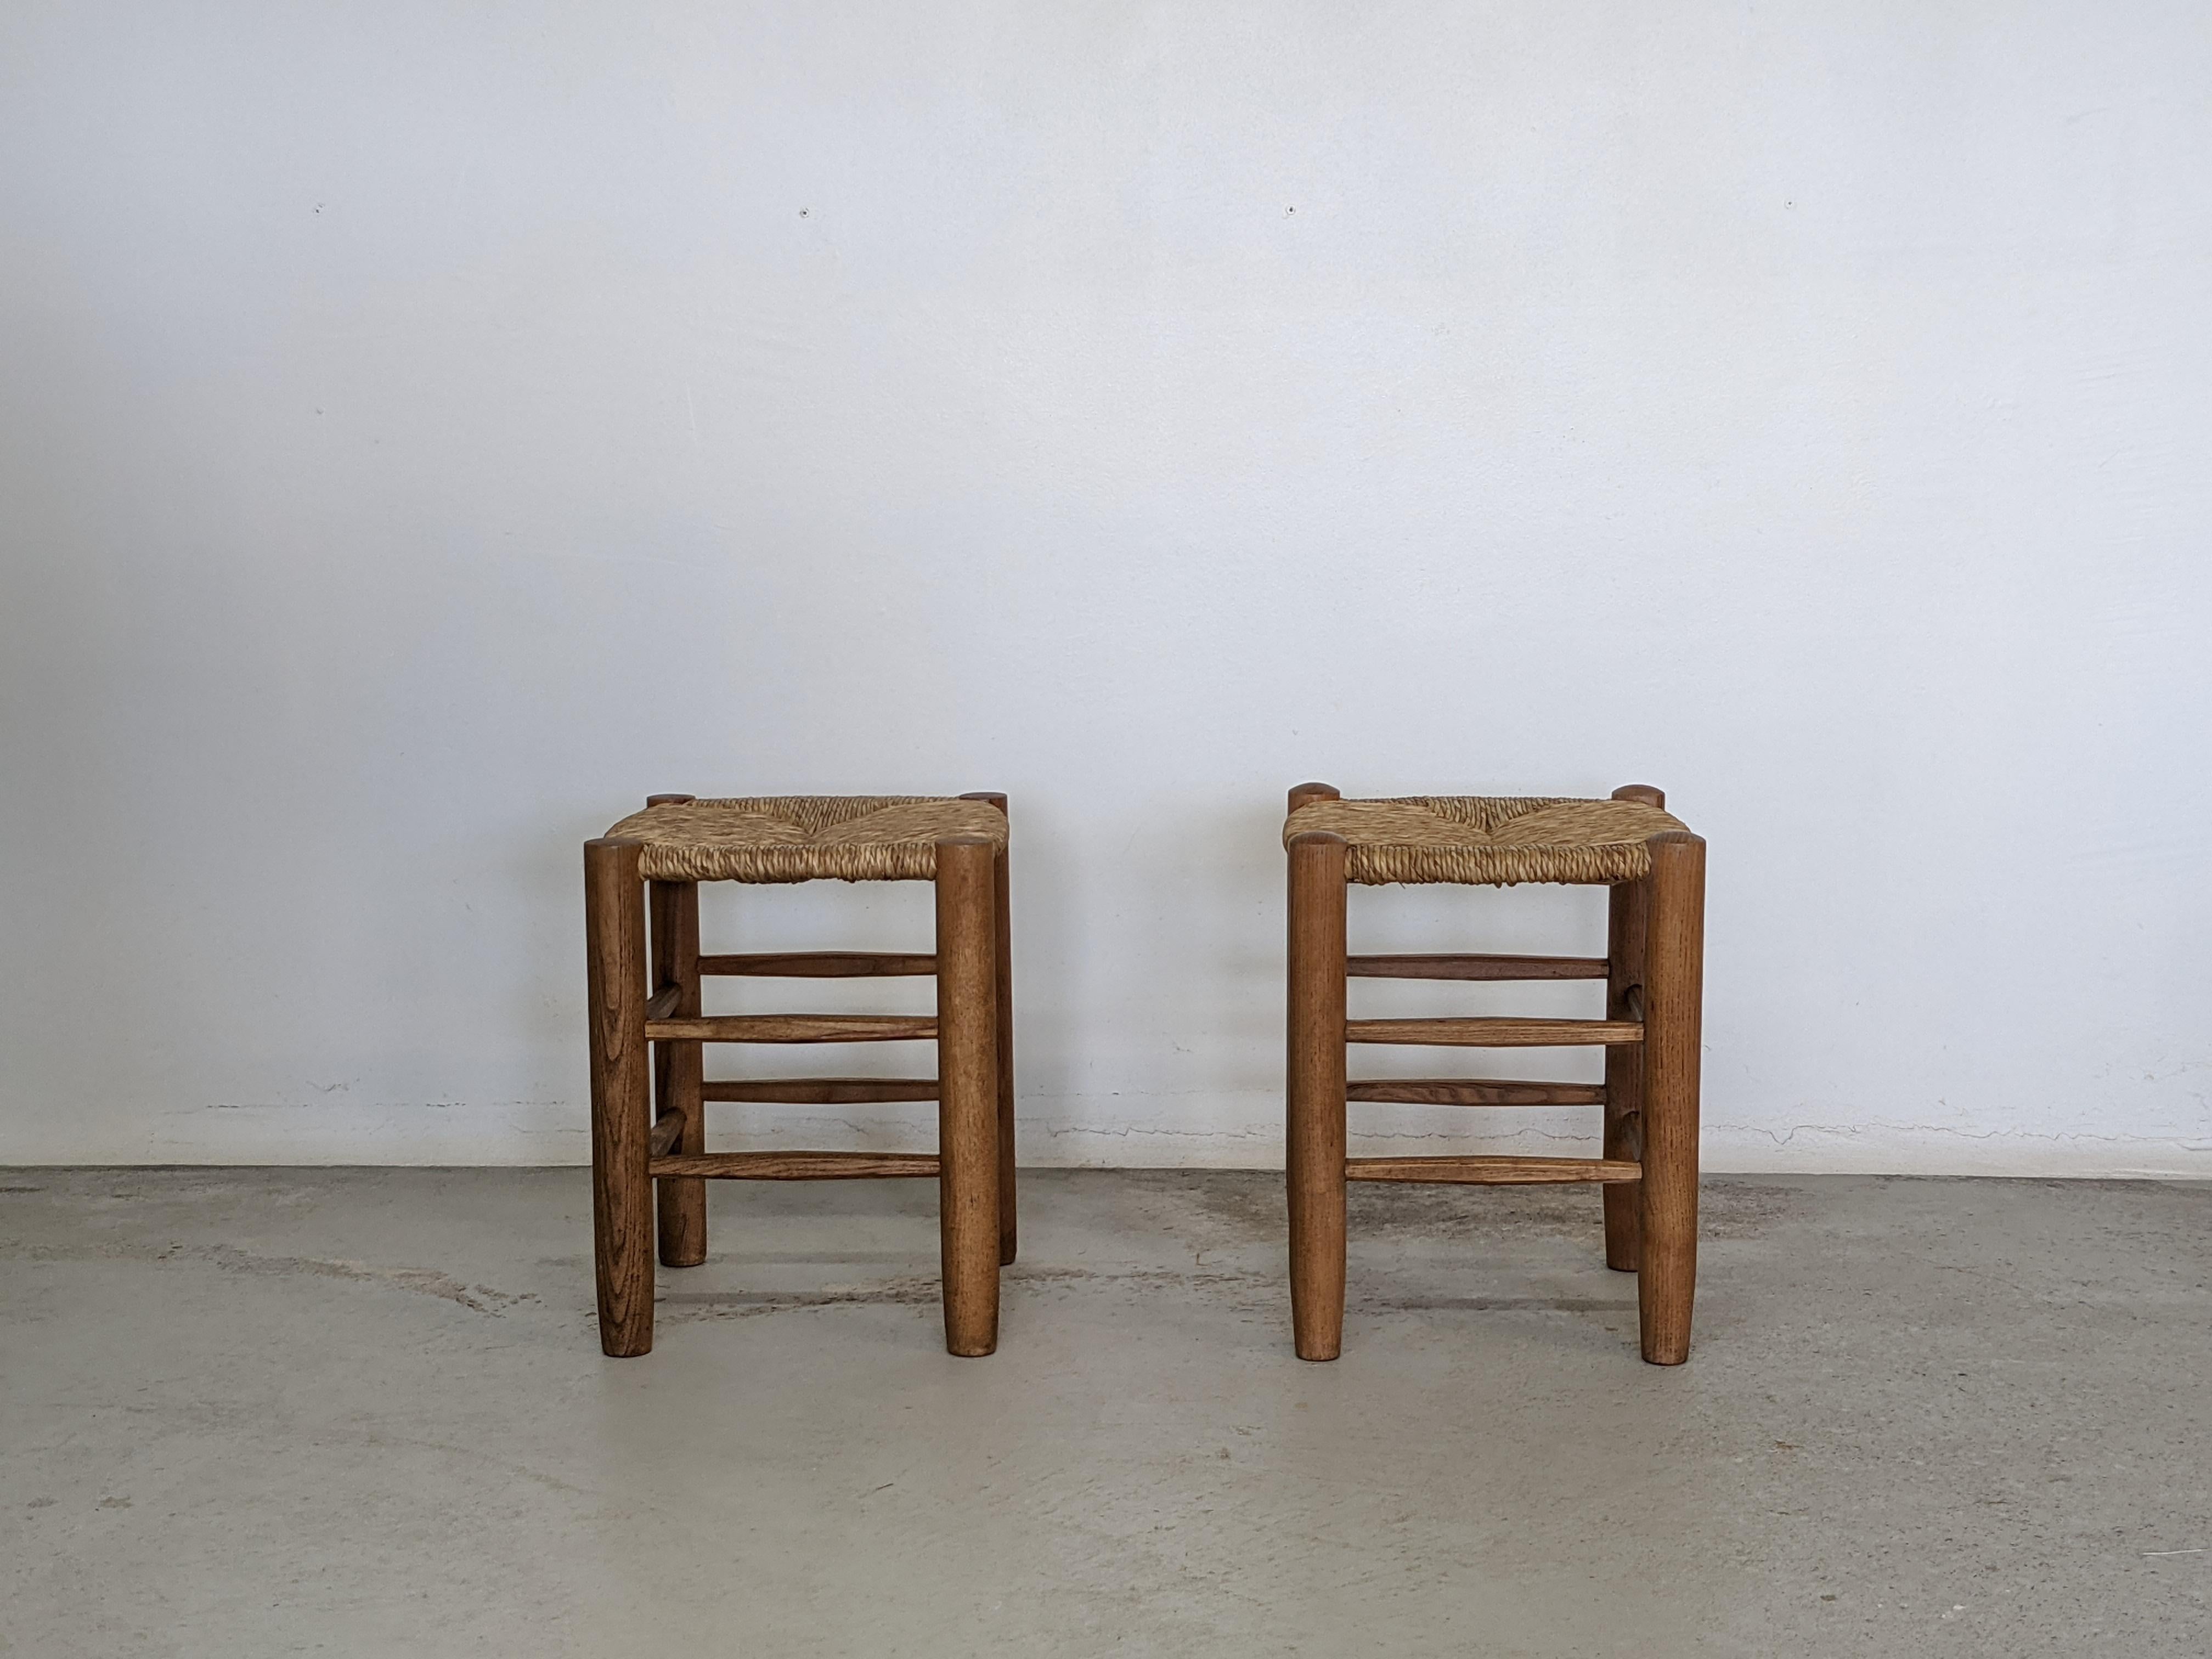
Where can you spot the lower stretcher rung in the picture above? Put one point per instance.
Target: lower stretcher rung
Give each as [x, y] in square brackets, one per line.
[1486, 1031]
[793, 1028]
[1492, 1171]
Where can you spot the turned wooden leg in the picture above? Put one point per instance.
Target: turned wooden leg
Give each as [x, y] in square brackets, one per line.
[1314, 1140]
[1002, 890]
[1674, 981]
[622, 1189]
[1009, 1231]
[968, 1092]
[677, 1070]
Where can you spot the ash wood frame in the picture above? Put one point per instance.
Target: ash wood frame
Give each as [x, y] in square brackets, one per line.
[1654, 973]
[650, 1164]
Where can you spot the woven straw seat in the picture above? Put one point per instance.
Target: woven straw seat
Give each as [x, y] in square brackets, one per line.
[1486, 839]
[780, 838]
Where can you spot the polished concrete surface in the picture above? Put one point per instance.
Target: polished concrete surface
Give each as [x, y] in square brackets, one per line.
[364, 1413]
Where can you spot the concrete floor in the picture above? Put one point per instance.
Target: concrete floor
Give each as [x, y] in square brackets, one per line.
[364, 1413]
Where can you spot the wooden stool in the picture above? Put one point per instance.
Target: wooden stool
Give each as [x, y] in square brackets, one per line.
[646, 1132]
[1653, 972]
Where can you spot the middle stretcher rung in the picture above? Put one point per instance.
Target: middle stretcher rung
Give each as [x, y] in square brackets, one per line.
[794, 1166]
[1486, 1032]
[1473, 1091]
[819, 1090]
[1492, 1171]
[1479, 966]
[792, 1028]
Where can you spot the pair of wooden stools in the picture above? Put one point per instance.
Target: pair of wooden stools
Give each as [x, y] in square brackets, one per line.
[649, 1093]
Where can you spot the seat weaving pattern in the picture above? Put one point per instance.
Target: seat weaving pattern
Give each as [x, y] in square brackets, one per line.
[1491, 839]
[778, 838]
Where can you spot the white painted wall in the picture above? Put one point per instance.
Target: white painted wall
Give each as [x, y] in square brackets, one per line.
[424, 430]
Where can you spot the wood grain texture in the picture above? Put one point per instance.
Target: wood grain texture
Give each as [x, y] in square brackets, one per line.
[1495, 1033]
[794, 1028]
[667, 1130]
[1315, 1092]
[968, 1092]
[820, 1090]
[817, 964]
[674, 907]
[1301, 794]
[1473, 1091]
[1475, 967]
[795, 1166]
[622, 1189]
[1490, 1171]
[1009, 1225]
[1673, 982]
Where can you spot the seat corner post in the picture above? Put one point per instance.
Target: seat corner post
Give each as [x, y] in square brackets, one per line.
[968, 1092]
[1674, 983]
[1314, 1141]
[622, 1182]
[1002, 894]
